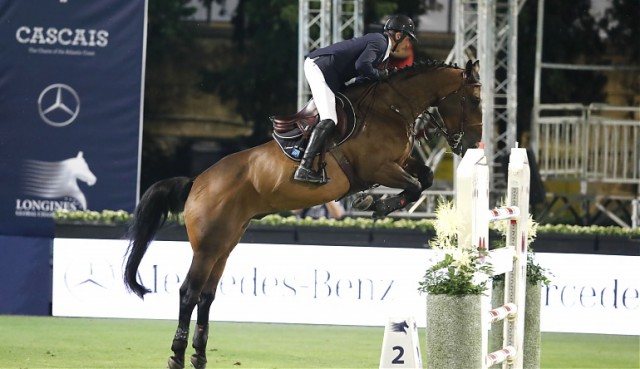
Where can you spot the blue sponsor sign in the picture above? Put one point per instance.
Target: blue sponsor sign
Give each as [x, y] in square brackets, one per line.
[71, 82]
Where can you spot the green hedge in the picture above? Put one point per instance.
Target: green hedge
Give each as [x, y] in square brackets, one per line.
[426, 225]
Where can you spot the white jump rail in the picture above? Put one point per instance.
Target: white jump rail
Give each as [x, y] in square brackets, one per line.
[472, 203]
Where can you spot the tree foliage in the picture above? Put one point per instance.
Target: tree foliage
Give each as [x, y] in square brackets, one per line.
[262, 80]
[622, 27]
[167, 32]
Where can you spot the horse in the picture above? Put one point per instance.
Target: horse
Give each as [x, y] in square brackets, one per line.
[220, 202]
[51, 180]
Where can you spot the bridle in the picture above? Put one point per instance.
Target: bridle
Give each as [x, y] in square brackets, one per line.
[454, 139]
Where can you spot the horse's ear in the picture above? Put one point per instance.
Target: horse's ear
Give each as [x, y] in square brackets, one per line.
[79, 154]
[472, 70]
[469, 67]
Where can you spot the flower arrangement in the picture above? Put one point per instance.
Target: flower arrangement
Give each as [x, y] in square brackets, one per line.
[455, 274]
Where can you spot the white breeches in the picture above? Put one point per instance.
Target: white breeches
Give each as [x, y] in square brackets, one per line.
[324, 98]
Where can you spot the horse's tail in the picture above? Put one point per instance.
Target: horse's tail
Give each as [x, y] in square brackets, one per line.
[162, 197]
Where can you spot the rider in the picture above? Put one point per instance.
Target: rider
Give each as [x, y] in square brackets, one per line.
[327, 70]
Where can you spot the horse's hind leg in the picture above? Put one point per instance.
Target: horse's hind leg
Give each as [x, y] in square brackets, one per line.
[189, 296]
[200, 336]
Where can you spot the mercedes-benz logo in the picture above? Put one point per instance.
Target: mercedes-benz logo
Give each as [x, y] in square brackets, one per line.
[89, 274]
[58, 105]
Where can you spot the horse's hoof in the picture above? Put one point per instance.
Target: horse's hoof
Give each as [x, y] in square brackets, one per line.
[363, 203]
[174, 363]
[198, 361]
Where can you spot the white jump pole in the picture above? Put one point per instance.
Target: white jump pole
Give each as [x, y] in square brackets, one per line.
[472, 204]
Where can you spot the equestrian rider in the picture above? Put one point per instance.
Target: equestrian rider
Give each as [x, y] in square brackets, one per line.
[327, 70]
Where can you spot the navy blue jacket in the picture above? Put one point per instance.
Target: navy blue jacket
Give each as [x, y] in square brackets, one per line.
[357, 57]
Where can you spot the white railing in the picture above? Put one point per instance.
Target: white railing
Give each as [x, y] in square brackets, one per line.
[593, 145]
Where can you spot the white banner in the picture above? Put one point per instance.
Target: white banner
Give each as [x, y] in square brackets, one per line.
[327, 285]
[261, 283]
[591, 294]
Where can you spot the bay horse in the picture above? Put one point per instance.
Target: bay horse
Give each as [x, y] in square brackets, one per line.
[220, 202]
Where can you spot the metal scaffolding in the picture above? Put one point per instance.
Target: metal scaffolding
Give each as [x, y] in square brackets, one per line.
[320, 23]
[487, 30]
[596, 146]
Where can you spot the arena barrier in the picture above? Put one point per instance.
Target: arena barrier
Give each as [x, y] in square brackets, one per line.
[472, 203]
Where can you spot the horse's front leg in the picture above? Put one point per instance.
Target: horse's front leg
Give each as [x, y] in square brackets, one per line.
[382, 207]
[424, 175]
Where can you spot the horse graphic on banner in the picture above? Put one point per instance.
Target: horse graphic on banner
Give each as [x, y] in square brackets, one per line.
[52, 180]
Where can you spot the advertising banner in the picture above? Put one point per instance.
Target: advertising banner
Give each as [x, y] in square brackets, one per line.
[591, 294]
[327, 285]
[261, 283]
[71, 82]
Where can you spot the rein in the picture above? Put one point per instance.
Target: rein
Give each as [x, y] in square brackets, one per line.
[453, 139]
[411, 124]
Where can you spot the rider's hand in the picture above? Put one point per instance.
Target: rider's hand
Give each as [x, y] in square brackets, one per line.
[383, 74]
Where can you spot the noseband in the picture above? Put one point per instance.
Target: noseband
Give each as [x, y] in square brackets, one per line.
[454, 139]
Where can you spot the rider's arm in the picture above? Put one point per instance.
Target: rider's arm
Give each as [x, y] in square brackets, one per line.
[364, 63]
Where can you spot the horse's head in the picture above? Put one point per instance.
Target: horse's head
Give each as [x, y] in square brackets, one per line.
[455, 92]
[461, 112]
[80, 169]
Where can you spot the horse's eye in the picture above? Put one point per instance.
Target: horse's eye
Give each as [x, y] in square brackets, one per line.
[475, 100]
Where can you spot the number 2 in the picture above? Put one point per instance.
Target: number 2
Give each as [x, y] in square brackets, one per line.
[398, 359]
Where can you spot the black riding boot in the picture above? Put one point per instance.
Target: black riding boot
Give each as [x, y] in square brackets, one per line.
[319, 135]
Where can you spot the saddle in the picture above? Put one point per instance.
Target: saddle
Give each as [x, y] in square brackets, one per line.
[292, 132]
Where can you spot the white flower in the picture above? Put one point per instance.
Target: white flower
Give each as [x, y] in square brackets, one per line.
[446, 225]
[461, 258]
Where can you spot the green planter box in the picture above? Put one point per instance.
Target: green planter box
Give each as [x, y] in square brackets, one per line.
[454, 332]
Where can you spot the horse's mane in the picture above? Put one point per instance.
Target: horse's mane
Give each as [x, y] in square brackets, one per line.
[424, 64]
[418, 66]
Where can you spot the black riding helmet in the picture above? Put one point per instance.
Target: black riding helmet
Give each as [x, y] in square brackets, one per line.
[401, 23]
